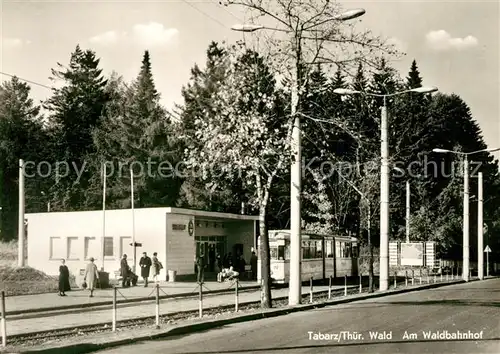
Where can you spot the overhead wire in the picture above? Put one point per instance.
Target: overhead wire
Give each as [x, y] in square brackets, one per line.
[29, 81]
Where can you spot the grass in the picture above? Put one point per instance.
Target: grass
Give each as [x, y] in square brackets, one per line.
[16, 280]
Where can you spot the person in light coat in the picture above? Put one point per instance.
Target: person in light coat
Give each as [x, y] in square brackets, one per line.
[157, 266]
[91, 276]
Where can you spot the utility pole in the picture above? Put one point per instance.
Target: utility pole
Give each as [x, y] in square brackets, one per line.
[21, 226]
[384, 202]
[408, 196]
[480, 226]
[465, 256]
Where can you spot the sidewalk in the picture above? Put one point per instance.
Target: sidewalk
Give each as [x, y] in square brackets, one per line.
[79, 297]
[124, 312]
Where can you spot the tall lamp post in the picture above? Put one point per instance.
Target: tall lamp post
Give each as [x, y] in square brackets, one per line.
[408, 205]
[480, 259]
[384, 178]
[295, 297]
[466, 251]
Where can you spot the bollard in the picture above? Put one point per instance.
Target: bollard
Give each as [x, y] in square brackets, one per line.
[412, 277]
[236, 301]
[441, 276]
[157, 306]
[447, 277]
[311, 290]
[470, 274]
[406, 278]
[420, 280]
[330, 288]
[434, 278]
[428, 280]
[200, 301]
[360, 284]
[115, 290]
[345, 285]
[395, 276]
[3, 324]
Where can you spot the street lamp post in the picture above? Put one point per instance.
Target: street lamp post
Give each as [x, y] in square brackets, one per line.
[465, 231]
[480, 259]
[408, 211]
[296, 150]
[408, 205]
[384, 178]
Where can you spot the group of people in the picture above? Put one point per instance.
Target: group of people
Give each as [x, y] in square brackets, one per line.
[228, 267]
[130, 278]
[90, 278]
[91, 275]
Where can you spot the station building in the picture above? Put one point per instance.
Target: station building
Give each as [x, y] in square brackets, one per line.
[177, 235]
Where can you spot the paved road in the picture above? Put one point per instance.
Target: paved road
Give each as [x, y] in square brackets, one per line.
[464, 307]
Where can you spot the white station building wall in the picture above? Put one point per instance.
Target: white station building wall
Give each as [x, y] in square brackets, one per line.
[77, 236]
[171, 232]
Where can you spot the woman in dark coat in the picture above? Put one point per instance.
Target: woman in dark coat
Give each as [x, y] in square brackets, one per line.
[63, 279]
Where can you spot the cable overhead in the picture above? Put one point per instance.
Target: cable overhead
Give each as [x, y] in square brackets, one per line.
[26, 80]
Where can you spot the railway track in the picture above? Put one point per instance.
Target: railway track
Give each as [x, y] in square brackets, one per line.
[138, 300]
[42, 336]
[106, 305]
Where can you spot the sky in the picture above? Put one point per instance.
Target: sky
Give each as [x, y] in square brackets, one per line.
[455, 43]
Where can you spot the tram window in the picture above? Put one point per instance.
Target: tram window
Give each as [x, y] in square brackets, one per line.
[281, 253]
[319, 250]
[306, 254]
[287, 252]
[274, 253]
[355, 251]
[329, 251]
[337, 249]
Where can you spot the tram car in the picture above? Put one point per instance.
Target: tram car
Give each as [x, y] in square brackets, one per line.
[322, 256]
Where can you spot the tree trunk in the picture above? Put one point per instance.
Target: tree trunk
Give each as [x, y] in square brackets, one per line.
[265, 260]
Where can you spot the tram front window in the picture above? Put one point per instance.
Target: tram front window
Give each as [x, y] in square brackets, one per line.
[274, 252]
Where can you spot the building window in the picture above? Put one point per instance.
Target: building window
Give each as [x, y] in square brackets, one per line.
[91, 247]
[73, 249]
[108, 247]
[57, 249]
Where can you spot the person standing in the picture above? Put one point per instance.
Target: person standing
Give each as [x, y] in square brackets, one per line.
[253, 265]
[200, 265]
[145, 264]
[157, 266]
[124, 271]
[91, 276]
[63, 279]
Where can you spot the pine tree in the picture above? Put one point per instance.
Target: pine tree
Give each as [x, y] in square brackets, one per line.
[142, 139]
[413, 80]
[75, 110]
[21, 137]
